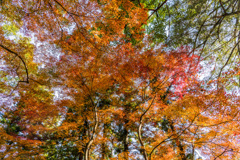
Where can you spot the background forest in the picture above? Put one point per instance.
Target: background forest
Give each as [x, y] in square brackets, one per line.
[119, 79]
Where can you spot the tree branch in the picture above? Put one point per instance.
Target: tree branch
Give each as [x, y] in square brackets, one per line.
[25, 66]
[159, 6]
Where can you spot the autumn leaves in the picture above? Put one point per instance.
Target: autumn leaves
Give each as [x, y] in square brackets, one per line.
[123, 95]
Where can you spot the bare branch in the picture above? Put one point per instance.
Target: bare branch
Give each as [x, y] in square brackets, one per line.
[159, 6]
[25, 66]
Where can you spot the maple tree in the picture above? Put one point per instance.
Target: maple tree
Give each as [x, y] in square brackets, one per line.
[211, 27]
[83, 80]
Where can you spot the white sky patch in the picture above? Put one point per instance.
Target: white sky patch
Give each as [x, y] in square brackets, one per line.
[206, 71]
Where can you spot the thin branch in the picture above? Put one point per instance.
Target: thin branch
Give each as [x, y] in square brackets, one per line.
[25, 66]
[139, 3]
[56, 19]
[159, 6]
[220, 123]
[221, 153]
[140, 130]
[168, 138]
[220, 1]
[229, 57]
[79, 28]
[13, 89]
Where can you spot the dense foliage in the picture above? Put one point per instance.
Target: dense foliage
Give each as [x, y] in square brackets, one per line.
[119, 79]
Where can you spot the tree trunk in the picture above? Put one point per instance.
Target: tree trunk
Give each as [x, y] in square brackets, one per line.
[178, 143]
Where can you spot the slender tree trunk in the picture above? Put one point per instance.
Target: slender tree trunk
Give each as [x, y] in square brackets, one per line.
[80, 156]
[87, 151]
[104, 148]
[193, 151]
[125, 144]
[178, 143]
[94, 133]
[125, 134]
[143, 150]
[103, 152]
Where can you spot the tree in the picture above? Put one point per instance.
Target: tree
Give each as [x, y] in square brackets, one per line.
[94, 85]
[211, 27]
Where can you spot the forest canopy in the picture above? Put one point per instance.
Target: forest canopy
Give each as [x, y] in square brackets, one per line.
[120, 79]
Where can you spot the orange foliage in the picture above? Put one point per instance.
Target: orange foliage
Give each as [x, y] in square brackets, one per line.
[95, 88]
